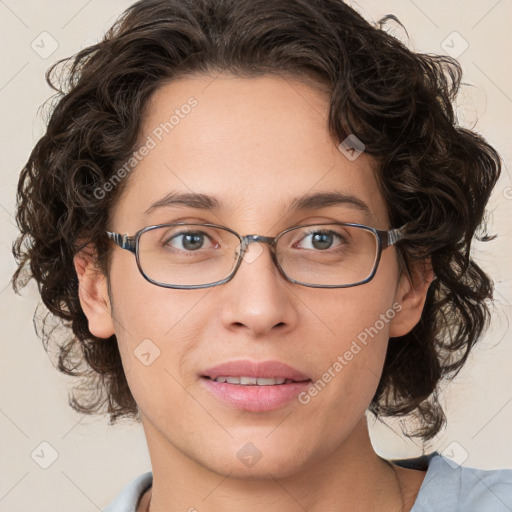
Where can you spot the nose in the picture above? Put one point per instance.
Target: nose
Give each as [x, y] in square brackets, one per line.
[259, 299]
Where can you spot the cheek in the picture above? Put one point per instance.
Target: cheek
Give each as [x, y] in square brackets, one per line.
[353, 337]
[359, 313]
[144, 310]
[156, 328]
[159, 353]
[358, 332]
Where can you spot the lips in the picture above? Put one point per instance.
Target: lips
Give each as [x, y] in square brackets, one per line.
[277, 384]
[262, 370]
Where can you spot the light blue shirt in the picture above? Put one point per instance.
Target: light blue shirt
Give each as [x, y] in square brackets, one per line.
[447, 487]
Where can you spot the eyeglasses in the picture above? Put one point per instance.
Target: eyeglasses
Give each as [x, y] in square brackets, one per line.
[189, 256]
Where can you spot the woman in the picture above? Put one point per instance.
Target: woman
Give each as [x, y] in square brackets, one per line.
[299, 206]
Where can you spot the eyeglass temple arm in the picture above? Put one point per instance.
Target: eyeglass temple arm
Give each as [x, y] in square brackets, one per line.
[392, 236]
[123, 241]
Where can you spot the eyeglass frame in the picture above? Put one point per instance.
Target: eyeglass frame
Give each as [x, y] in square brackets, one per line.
[385, 239]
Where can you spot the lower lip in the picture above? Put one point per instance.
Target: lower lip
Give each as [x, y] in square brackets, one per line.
[255, 398]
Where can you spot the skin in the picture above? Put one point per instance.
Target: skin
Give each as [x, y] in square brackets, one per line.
[255, 144]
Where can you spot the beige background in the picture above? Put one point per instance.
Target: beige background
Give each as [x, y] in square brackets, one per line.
[95, 461]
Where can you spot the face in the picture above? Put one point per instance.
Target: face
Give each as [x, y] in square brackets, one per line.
[254, 145]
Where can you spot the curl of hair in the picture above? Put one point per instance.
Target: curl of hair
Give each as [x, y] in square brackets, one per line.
[434, 175]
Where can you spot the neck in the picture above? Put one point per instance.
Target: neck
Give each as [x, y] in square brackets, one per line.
[350, 477]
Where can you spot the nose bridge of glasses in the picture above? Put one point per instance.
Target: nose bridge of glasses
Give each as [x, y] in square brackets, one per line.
[248, 239]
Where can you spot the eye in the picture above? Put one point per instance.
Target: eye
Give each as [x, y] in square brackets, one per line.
[190, 241]
[321, 240]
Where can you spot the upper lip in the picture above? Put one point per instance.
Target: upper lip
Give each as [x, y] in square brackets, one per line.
[262, 369]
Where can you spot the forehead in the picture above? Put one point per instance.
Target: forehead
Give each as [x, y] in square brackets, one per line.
[255, 144]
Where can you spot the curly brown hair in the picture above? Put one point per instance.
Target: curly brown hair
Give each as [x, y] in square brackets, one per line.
[434, 175]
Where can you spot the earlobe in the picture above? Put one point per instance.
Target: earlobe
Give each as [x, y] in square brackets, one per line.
[411, 294]
[93, 294]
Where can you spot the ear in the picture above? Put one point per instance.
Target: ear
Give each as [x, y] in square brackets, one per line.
[411, 293]
[93, 294]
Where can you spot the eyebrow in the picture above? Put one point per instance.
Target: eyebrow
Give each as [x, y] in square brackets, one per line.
[319, 200]
[312, 201]
[191, 200]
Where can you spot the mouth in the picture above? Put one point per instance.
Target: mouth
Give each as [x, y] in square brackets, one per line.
[251, 373]
[267, 394]
[254, 386]
[254, 381]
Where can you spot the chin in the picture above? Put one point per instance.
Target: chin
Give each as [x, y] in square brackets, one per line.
[251, 463]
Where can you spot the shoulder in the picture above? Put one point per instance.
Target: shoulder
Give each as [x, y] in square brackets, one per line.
[128, 499]
[484, 489]
[453, 487]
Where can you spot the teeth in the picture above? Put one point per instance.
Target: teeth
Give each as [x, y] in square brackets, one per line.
[248, 380]
[252, 381]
